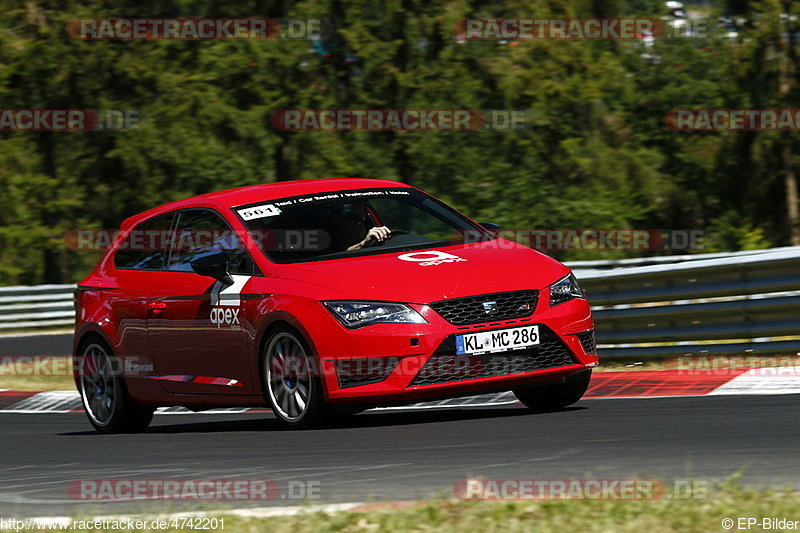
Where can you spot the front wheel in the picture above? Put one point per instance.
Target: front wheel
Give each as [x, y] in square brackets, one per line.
[555, 397]
[294, 392]
[105, 398]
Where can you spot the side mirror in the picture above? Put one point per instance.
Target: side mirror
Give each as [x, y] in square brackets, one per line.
[214, 266]
[491, 227]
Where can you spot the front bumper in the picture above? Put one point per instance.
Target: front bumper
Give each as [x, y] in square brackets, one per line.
[388, 363]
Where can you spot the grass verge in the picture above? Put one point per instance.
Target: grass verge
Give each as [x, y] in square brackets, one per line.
[657, 516]
[42, 374]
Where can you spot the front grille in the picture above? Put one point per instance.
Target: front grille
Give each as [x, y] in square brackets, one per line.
[444, 366]
[587, 341]
[500, 306]
[364, 370]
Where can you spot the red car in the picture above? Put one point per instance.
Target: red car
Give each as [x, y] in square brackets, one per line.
[321, 298]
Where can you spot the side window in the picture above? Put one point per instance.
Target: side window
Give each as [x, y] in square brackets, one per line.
[201, 232]
[147, 245]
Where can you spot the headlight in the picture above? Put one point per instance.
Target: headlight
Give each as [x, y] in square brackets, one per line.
[356, 314]
[564, 290]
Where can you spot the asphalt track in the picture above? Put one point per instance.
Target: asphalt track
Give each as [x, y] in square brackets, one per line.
[396, 454]
[392, 455]
[56, 344]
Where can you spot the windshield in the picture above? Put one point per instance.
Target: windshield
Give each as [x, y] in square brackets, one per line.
[351, 223]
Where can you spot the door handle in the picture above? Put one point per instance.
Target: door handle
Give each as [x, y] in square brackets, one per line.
[156, 308]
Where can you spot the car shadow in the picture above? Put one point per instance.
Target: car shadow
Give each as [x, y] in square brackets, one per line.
[369, 419]
[432, 416]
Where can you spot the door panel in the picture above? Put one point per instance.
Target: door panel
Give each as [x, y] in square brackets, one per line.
[128, 306]
[201, 341]
[200, 330]
[135, 262]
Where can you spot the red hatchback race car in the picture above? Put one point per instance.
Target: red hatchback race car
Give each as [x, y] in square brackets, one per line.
[321, 298]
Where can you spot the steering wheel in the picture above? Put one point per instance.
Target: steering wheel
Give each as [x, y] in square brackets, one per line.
[372, 241]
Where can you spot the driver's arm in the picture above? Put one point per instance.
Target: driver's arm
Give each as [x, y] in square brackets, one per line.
[380, 233]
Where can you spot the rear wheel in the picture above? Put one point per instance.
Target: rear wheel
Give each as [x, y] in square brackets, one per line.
[294, 392]
[555, 397]
[105, 398]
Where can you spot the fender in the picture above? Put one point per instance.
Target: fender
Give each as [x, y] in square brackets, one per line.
[269, 319]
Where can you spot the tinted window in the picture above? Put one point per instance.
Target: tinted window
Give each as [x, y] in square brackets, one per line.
[147, 245]
[202, 232]
[337, 224]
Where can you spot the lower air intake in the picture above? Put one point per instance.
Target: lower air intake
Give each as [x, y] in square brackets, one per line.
[444, 366]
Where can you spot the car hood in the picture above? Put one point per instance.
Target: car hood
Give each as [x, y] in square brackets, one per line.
[425, 276]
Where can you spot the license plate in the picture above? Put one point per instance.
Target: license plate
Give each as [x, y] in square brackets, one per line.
[498, 340]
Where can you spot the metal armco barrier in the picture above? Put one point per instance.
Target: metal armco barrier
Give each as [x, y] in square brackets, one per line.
[717, 304]
[725, 303]
[36, 306]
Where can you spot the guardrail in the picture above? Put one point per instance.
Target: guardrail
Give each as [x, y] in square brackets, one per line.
[734, 303]
[731, 304]
[36, 306]
[605, 264]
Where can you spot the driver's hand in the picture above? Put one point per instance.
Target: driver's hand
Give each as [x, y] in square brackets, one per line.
[380, 233]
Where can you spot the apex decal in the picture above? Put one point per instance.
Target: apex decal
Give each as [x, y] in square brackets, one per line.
[432, 258]
[227, 316]
[225, 301]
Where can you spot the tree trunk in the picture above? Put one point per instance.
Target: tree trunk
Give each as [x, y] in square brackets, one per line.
[52, 261]
[790, 178]
[792, 207]
[283, 160]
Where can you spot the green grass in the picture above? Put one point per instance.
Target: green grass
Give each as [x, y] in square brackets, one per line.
[659, 516]
[54, 374]
[637, 365]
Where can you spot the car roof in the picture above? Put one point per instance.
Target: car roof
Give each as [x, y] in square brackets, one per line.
[264, 192]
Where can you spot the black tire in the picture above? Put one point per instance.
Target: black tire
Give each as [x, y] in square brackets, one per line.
[105, 397]
[555, 397]
[291, 384]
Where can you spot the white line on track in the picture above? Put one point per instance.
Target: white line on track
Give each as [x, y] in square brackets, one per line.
[36, 333]
[782, 380]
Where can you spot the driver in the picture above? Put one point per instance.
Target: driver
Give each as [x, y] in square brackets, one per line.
[379, 233]
[350, 225]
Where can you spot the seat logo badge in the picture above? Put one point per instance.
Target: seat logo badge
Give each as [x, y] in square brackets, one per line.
[490, 308]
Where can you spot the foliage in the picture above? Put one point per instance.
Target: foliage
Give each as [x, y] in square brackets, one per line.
[596, 154]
